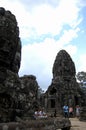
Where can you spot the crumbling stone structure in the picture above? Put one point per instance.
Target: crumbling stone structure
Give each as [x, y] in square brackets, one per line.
[64, 89]
[10, 44]
[29, 94]
[10, 57]
[16, 94]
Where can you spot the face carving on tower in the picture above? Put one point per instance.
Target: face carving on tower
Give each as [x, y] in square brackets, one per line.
[10, 44]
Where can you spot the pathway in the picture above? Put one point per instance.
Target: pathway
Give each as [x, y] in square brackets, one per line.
[77, 125]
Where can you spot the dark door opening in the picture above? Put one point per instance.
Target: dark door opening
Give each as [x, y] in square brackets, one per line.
[52, 103]
[76, 101]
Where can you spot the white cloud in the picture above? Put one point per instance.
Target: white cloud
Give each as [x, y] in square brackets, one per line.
[68, 35]
[38, 59]
[46, 17]
[82, 62]
[71, 49]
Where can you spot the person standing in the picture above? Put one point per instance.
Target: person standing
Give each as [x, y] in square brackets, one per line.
[70, 111]
[77, 111]
[66, 111]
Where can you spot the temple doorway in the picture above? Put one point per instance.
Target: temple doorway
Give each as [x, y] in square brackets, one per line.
[52, 103]
[76, 100]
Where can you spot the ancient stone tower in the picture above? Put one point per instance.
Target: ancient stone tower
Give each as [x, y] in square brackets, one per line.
[10, 57]
[10, 44]
[17, 95]
[63, 88]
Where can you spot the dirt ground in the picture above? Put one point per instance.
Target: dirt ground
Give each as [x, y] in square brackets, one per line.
[77, 125]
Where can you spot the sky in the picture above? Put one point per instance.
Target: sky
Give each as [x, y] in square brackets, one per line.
[46, 27]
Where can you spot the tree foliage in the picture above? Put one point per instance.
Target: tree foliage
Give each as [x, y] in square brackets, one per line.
[81, 76]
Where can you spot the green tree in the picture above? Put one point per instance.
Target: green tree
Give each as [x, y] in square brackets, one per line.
[81, 77]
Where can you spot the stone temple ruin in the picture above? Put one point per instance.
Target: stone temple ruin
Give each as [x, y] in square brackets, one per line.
[63, 89]
[19, 95]
[10, 56]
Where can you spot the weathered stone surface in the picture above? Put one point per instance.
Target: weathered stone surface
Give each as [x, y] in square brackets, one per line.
[10, 44]
[63, 66]
[10, 57]
[29, 88]
[17, 95]
[50, 124]
[63, 89]
[83, 113]
[9, 93]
